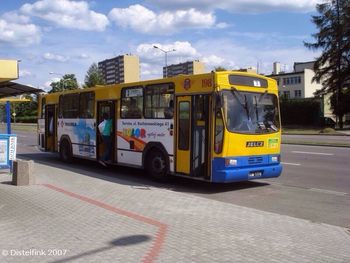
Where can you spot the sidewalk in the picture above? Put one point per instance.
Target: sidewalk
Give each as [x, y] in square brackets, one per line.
[81, 218]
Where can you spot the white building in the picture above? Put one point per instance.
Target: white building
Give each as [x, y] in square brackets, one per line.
[296, 84]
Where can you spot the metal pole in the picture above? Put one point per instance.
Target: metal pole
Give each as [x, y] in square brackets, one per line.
[166, 64]
[8, 117]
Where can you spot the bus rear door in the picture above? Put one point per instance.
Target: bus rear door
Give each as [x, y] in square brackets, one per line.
[50, 128]
[107, 107]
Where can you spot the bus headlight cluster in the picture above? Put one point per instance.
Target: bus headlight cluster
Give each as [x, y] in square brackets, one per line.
[230, 162]
[275, 159]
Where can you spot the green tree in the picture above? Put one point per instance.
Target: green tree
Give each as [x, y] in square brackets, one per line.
[332, 68]
[25, 111]
[67, 82]
[93, 77]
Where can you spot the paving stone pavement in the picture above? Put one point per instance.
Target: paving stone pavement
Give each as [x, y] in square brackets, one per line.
[95, 219]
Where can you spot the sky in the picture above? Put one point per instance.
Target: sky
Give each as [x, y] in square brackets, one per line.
[66, 36]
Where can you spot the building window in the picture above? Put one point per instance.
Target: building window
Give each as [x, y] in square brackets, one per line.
[159, 101]
[132, 103]
[297, 93]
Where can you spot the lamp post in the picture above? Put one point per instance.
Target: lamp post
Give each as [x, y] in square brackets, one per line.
[166, 58]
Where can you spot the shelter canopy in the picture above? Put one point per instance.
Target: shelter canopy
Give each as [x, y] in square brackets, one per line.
[9, 89]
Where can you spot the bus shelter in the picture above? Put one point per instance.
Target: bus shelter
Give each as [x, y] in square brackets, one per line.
[8, 88]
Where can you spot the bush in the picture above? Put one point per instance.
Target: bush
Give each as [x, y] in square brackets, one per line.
[327, 130]
[27, 119]
[303, 112]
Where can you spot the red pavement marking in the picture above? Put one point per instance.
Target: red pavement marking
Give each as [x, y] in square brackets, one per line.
[154, 251]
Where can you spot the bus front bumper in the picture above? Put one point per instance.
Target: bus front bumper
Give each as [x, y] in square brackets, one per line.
[245, 172]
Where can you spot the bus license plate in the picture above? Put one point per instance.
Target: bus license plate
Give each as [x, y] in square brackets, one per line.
[255, 174]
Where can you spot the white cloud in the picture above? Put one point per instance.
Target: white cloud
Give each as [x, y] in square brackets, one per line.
[83, 56]
[183, 50]
[15, 17]
[222, 25]
[249, 6]
[67, 14]
[55, 57]
[46, 86]
[153, 59]
[24, 73]
[18, 33]
[213, 61]
[141, 19]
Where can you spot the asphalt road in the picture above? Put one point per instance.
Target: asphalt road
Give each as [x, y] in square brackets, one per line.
[314, 185]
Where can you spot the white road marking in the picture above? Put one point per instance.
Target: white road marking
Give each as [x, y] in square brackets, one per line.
[315, 153]
[328, 191]
[296, 164]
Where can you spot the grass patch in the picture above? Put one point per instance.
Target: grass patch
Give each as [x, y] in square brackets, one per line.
[29, 127]
[310, 131]
[316, 143]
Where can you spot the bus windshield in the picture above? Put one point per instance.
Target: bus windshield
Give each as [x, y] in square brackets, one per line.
[250, 112]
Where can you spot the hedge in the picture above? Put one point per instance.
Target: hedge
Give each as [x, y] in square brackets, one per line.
[305, 112]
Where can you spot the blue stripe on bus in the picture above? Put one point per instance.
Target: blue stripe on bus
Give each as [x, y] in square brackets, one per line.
[247, 168]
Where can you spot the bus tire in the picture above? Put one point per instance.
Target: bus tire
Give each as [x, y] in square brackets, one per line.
[157, 165]
[66, 151]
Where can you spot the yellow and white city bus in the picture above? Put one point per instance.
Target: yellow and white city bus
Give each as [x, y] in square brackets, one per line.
[217, 127]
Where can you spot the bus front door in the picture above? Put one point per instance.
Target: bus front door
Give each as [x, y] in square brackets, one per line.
[192, 136]
[105, 107]
[200, 136]
[183, 135]
[50, 128]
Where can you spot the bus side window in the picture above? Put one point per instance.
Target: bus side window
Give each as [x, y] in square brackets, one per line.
[132, 103]
[69, 106]
[184, 126]
[87, 103]
[159, 101]
[219, 132]
[43, 104]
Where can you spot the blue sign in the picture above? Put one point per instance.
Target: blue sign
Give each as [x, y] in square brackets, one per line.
[8, 150]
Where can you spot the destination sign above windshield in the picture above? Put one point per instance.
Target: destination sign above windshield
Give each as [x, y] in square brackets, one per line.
[247, 81]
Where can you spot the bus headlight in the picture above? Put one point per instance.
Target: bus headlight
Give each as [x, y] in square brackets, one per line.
[230, 162]
[275, 159]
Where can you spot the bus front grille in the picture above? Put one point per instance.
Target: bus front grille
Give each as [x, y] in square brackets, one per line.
[255, 160]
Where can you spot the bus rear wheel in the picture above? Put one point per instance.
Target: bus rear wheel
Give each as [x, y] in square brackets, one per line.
[156, 165]
[65, 151]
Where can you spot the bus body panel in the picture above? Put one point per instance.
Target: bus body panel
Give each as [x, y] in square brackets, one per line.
[82, 135]
[133, 135]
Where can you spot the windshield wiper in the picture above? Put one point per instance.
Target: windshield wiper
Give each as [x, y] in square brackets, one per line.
[244, 104]
[261, 125]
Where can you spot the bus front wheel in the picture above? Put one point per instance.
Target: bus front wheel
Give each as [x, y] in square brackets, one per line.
[156, 164]
[65, 151]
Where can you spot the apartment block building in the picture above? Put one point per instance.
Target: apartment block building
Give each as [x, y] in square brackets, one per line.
[298, 83]
[120, 69]
[188, 68]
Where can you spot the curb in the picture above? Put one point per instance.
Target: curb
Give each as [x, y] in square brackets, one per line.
[316, 144]
[316, 134]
